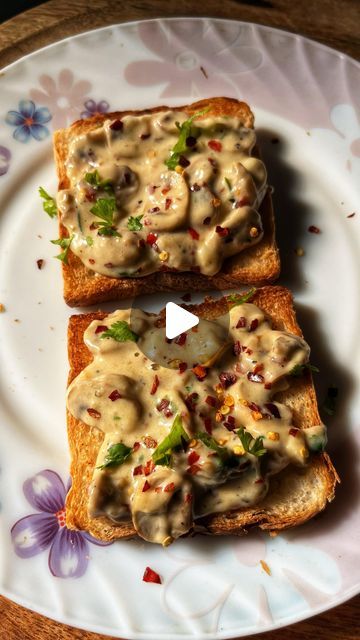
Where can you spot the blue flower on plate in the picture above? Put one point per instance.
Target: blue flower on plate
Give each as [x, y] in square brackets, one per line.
[29, 121]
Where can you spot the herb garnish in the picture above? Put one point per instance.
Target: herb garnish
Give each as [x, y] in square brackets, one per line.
[187, 130]
[49, 204]
[93, 178]
[329, 405]
[211, 443]
[64, 244]
[177, 438]
[299, 369]
[237, 299]
[134, 224]
[89, 241]
[104, 209]
[116, 455]
[120, 331]
[250, 444]
[229, 185]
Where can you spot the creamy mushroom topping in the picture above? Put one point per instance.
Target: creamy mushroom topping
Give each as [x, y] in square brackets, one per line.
[199, 435]
[134, 207]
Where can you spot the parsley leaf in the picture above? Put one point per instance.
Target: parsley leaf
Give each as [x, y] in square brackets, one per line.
[176, 439]
[186, 130]
[236, 299]
[228, 183]
[227, 458]
[299, 369]
[120, 331]
[64, 244]
[134, 223]
[329, 404]
[104, 208]
[116, 455]
[93, 178]
[49, 204]
[250, 444]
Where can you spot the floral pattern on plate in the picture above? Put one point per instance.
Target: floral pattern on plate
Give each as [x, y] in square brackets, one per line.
[93, 108]
[69, 550]
[344, 137]
[29, 121]
[5, 157]
[63, 95]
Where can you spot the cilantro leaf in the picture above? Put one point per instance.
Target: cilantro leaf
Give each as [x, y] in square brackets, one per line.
[176, 439]
[134, 224]
[329, 404]
[250, 444]
[120, 331]
[49, 204]
[93, 178]
[236, 299]
[186, 130]
[211, 443]
[116, 455]
[299, 369]
[64, 244]
[104, 208]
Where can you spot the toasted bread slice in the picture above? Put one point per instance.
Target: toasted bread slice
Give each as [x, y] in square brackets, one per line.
[295, 494]
[258, 265]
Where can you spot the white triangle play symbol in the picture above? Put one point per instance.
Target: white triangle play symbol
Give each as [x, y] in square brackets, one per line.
[178, 320]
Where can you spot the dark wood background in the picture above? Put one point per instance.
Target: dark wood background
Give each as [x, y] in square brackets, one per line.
[333, 22]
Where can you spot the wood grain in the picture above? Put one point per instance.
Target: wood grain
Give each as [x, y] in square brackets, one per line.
[328, 21]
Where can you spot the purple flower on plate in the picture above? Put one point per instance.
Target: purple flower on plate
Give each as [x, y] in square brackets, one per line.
[5, 157]
[29, 121]
[69, 550]
[93, 108]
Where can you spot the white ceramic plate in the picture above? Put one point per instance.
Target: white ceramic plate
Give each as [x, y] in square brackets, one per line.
[304, 98]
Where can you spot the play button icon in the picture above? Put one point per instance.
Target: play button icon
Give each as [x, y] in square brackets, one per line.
[178, 320]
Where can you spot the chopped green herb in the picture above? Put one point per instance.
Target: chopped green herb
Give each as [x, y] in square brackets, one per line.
[64, 244]
[250, 444]
[104, 208]
[79, 220]
[89, 241]
[299, 369]
[187, 130]
[229, 185]
[329, 405]
[316, 444]
[49, 204]
[134, 223]
[93, 178]
[116, 455]
[210, 442]
[120, 331]
[176, 439]
[237, 299]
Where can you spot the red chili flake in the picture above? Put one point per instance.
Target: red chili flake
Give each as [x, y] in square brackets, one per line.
[168, 202]
[241, 323]
[193, 457]
[190, 141]
[313, 229]
[138, 470]
[91, 260]
[182, 367]
[227, 379]
[254, 407]
[229, 424]
[200, 371]
[254, 324]
[255, 377]
[215, 145]
[117, 125]
[247, 350]
[267, 385]
[237, 348]
[293, 432]
[163, 404]
[40, 263]
[191, 400]
[243, 202]
[151, 238]
[180, 339]
[259, 367]
[90, 195]
[154, 210]
[207, 220]
[108, 265]
[93, 226]
[270, 406]
[183, 162]
[208, 425]
[211, 400]
[194, 234]
[114, 395]
[165, 190]
[149, 467]
[146, 486]
[93, 413]
[149, 442]
[155, 385]
[169, 487]
[100, 328]
[144, 136]
[188, 498]
[158, 489]
[195, 187]
[351, 215]
[213, 162]
[222, 231]
[193, 470]
[259, 481]
[136, 446]
[151, 576]
[186, 297]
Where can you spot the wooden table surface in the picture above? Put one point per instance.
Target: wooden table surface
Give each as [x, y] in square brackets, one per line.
[328, 21]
